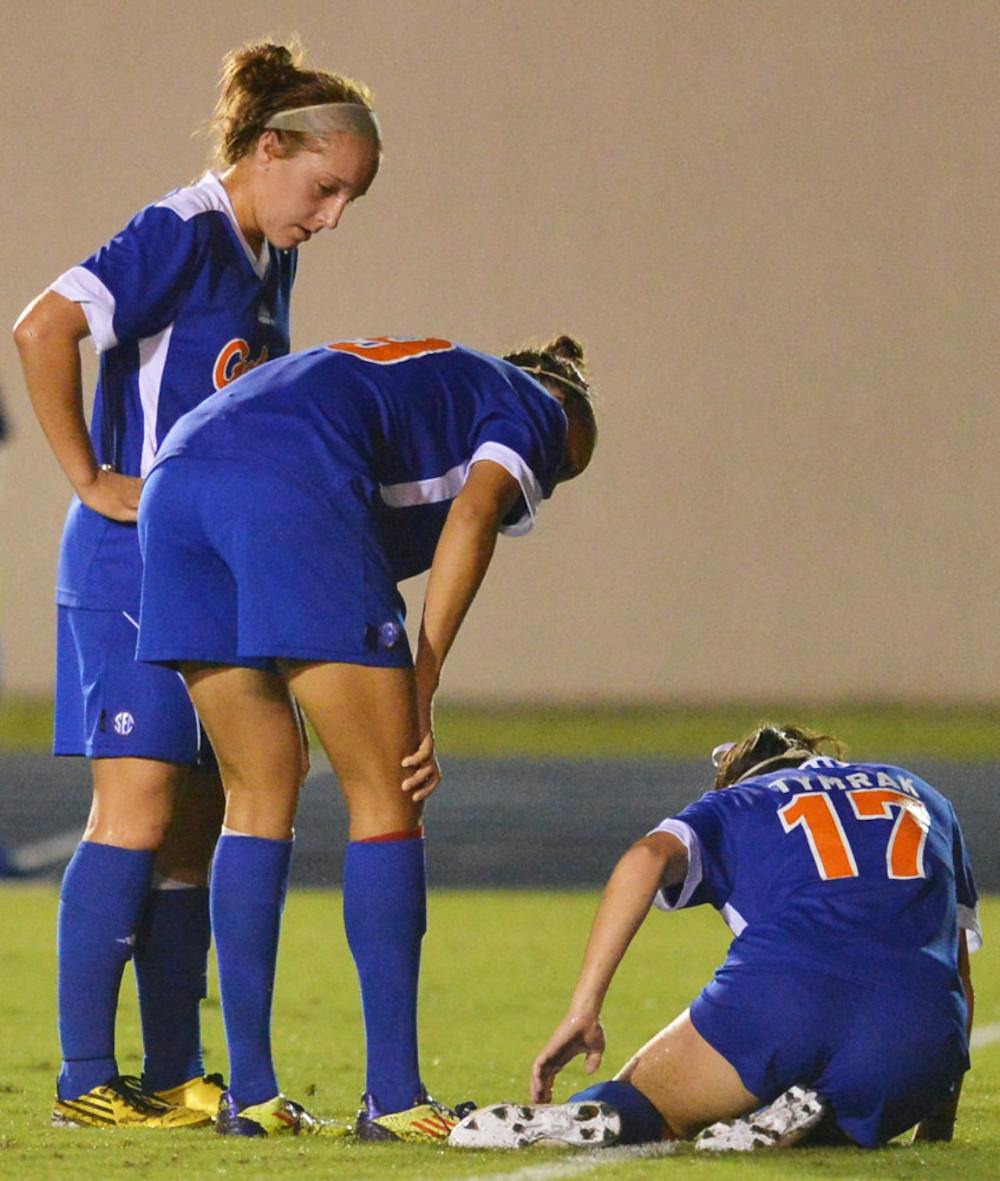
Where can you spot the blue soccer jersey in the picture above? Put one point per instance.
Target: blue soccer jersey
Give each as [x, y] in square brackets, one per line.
[852, 870]
[178, 306]
[405, 419]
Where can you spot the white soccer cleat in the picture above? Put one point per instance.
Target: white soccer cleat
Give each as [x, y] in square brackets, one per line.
[779, 1125]
[518, 1125]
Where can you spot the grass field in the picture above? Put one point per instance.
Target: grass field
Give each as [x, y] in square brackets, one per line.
[878, 730]
[497, 971]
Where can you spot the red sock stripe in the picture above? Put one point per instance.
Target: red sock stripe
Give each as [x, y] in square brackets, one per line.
[406, 834]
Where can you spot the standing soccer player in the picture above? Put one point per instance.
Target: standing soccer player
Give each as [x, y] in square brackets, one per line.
[191, 294]
[850, 896]
[283, 513]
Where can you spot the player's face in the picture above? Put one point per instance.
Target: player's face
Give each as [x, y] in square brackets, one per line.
[297, 196]
[579, 449]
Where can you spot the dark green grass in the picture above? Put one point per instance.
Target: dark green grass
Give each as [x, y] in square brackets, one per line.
[497, 971]
[887, 730]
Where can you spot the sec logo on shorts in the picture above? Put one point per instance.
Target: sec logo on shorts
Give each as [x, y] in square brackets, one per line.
[123, 723]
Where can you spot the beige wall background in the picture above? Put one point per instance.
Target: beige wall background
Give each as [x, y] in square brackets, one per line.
[774, 224]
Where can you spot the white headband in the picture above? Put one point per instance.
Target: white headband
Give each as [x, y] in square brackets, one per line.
[573, 385]
[324, 119]
[800, 754]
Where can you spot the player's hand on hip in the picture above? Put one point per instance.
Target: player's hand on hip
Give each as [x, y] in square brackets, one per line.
[112, 495]
[424, 772]
[573, 1035]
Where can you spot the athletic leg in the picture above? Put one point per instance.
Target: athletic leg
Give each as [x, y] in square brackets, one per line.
[674, 1086]
[254, 730]
[366, 720]
[103, 893]
[171, 954]
[687, 1080]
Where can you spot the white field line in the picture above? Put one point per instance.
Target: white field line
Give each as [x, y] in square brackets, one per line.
[580, 1162]
[42, 854]
[985, 1035]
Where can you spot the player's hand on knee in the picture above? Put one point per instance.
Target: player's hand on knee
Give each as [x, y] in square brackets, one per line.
[573, 1035]
[112, 495]
[425, 774]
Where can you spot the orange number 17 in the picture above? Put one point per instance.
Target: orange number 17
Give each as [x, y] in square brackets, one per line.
[828, 843]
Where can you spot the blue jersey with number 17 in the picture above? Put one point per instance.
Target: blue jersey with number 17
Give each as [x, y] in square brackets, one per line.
[856, 870]
[178, 305]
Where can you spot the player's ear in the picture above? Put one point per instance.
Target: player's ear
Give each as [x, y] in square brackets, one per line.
[268, 147]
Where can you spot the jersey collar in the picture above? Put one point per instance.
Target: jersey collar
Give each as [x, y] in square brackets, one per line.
[259, 262]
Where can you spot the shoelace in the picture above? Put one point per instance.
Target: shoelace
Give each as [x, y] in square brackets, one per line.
[129, 1088]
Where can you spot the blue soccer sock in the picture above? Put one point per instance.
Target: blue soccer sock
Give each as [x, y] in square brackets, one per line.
[641, 1122]
[385, 916]
[171, 966]
[247, 894]
[103, 892]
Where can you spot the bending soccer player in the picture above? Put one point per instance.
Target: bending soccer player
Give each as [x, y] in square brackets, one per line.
[282, 513]
[850, 896]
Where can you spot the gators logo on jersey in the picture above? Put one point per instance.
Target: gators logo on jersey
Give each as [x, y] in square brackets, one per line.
[234, 360]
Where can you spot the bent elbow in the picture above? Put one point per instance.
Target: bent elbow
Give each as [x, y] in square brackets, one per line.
[23, 331]
[48, 320]
[475, 515]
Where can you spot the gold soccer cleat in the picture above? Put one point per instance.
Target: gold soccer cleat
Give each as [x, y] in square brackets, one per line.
[198, 1094]
[275, 1117]
[428, 1122]
[122, 1103]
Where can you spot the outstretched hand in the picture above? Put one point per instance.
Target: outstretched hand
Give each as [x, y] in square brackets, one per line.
[425, 774]
[572, 1036]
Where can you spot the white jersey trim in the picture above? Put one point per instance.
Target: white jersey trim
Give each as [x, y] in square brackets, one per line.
[733, 919]
[968, 921]
[687, 836]
[447, 486]
[210, 194]
[432, 491]
[152, 359]
[531, 490]
[81, 286]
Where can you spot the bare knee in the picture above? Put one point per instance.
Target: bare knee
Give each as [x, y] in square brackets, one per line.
[133, 802]
[376, 813]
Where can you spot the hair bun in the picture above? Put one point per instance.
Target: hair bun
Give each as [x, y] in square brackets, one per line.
[259, 65]
[567, 347]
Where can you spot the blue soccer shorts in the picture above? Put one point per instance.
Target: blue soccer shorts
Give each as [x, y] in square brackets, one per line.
[880, 1054]
[107, 705]
[241, 566]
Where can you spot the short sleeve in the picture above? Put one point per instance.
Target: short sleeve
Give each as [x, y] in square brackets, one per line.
[700, 827]
[966, 894]
[511, 455]
[131, 288]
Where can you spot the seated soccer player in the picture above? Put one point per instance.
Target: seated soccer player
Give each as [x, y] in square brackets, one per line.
[851, 900]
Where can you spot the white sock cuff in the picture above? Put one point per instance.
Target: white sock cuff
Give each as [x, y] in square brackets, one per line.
[232, 832]
[160, 882]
